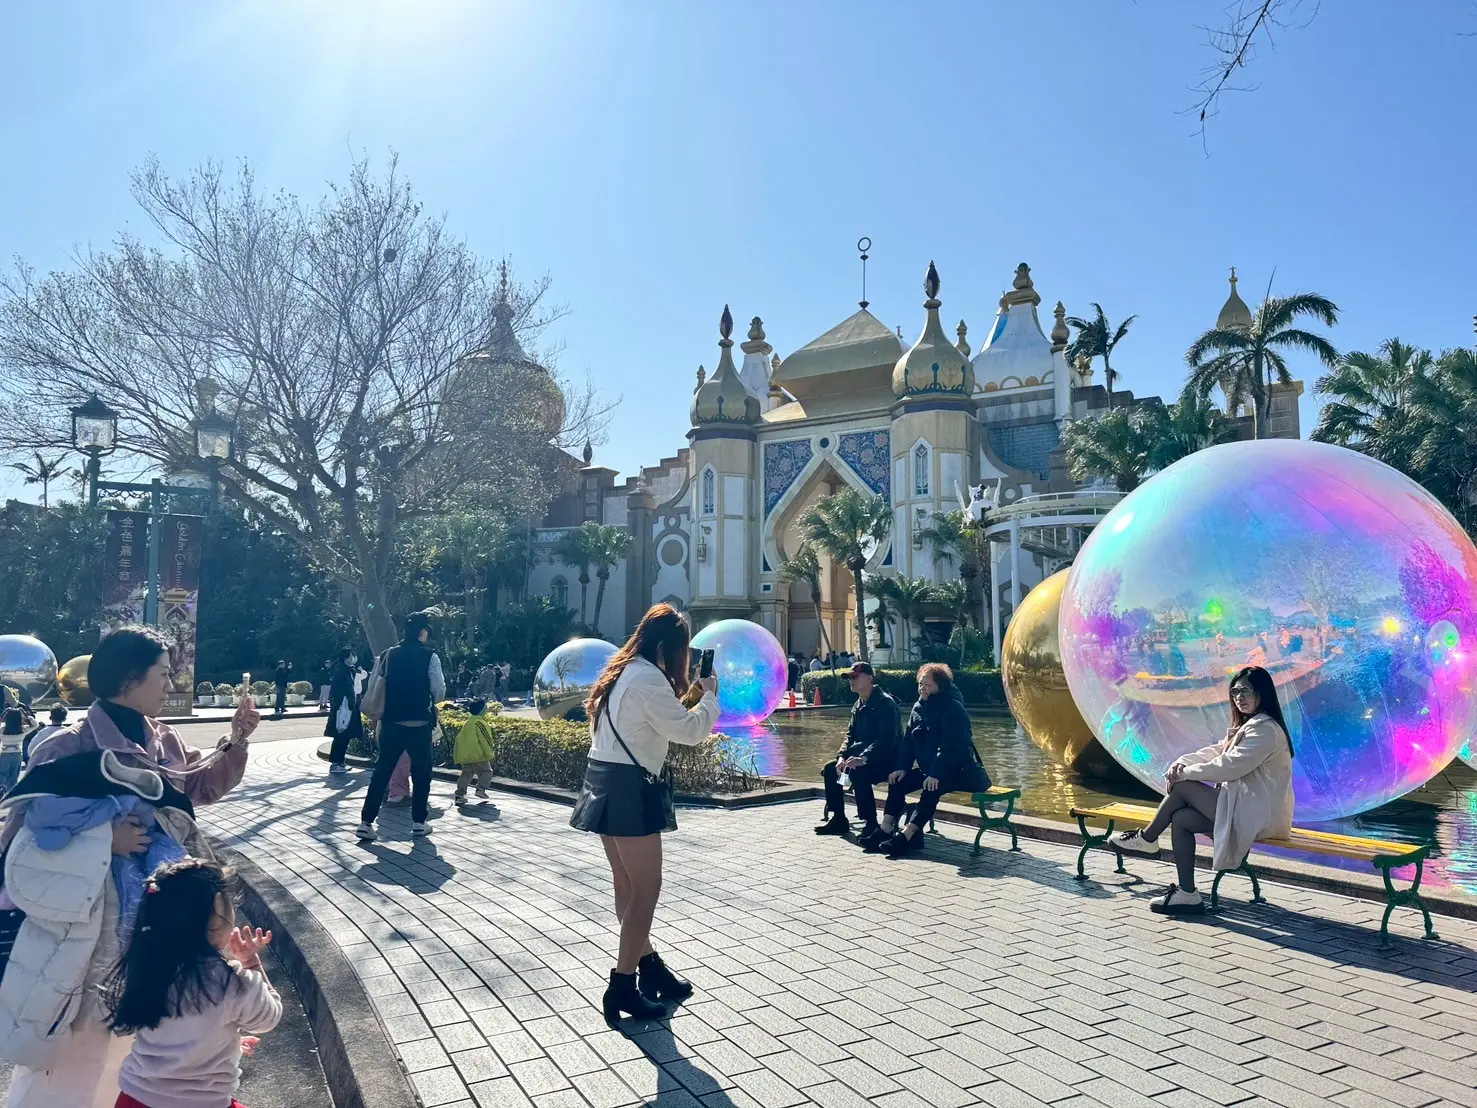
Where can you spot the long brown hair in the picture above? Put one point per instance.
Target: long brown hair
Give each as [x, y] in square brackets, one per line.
[661, 634]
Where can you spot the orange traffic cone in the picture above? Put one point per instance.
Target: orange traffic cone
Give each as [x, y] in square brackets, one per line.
[817, 696]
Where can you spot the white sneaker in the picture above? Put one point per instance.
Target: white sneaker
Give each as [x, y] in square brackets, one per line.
[365, 833]
[338, 767]
[421, 831]
[1133, 842]
[1177, 902]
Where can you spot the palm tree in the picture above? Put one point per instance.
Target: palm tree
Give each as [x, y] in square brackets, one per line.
[609, 546]
[577, 549]
[881, 616]
[804, 568]
[910, 597]
[1244, 363]
[954, 598]
[953, 535]
[1116, 444]
[1444, 419]
[43, 473]
[1370, 407]
[1097, 338]
[850, 528]
[1190, 424]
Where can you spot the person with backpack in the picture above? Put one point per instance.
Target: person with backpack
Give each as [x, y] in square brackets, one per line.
[403, 691]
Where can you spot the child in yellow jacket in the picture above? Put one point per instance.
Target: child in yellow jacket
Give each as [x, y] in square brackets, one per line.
[473, 752]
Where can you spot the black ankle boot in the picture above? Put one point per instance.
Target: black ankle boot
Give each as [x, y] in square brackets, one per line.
[658, 982]
[623, 996]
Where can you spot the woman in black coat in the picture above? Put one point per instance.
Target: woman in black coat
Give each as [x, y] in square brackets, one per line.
[937, 756]
[343, 704]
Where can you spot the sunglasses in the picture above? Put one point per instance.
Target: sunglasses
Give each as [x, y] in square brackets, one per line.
[1243, 690]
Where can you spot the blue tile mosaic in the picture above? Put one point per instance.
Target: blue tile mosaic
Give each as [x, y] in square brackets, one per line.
[783, 462]
[869, 454]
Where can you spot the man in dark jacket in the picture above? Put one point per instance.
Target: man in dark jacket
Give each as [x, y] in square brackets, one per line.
[414, 684]
[867, 755]
[938, 756]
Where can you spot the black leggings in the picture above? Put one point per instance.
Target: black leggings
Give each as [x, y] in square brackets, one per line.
[897, 798]
[1189, 810]
[396, 739]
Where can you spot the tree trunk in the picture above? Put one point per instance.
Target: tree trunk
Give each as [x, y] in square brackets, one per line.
[970, 573]
[374, 614]
[861, 611]
[1108, 377]
[603, 575]
[1259, 402]
[584, 593]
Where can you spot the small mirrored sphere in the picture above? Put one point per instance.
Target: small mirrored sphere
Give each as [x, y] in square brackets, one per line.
[27, 664]
[71, 682]
[1035, 683]
[751, 668]
[564, 679]
[1345, 579]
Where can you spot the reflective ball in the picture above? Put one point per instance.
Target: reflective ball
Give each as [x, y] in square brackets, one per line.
[1036, 685]
[71, 682]
[751, 668]
[1345, 579]
[564, 679]
[27, 664]
[1468, 753]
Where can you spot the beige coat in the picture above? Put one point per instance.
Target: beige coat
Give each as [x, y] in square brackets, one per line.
[1253, 767]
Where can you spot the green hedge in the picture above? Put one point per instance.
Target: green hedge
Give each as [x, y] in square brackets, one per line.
[981, 688]
[553, 752]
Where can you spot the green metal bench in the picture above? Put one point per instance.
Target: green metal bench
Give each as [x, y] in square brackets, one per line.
[989, 821]
[1384, 856]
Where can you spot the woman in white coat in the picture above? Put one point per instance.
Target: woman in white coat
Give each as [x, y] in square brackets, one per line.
[1238, 790]
[636, 710]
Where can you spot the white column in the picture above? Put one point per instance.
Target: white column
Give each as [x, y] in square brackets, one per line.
[1015, 567]
[994, 606]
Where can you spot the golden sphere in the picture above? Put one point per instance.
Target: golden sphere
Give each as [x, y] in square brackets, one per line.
[1036, 684]
[71, 682]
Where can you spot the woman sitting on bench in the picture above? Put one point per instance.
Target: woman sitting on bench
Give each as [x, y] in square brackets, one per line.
[937, 756]
[1237, 791]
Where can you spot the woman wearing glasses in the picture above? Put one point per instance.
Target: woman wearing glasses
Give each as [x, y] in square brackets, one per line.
[1237, 791]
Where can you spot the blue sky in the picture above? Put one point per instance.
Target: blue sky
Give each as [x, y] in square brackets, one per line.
[662, 159]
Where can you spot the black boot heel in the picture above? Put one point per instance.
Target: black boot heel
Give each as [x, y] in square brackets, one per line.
[658, 982]
[623, 996]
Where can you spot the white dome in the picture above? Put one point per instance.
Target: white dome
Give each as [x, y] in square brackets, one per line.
[1017, 351]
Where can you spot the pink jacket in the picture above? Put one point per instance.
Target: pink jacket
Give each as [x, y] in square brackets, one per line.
[204, 778]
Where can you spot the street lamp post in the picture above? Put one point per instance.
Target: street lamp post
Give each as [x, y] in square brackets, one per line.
[95, 433]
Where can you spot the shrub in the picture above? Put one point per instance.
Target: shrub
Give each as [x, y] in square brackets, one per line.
[205, 688]
[981, 688]
[262, 689]
[225, 690]
[553, 752]
[301, 688]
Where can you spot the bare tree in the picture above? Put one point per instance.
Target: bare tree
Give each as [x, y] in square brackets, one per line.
[373, 366]
[1248, 25]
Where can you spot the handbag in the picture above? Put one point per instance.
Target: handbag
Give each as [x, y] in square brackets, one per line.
[658, 810]
[373, 704]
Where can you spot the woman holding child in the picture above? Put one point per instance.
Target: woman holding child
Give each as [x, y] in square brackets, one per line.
[100, 800]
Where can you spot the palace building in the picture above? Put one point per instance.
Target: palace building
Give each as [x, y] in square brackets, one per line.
[929, 427]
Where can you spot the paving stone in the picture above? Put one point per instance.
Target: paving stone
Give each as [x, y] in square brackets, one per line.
[996, 980]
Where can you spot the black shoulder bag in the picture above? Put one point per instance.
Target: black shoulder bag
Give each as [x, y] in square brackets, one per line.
[658, 811]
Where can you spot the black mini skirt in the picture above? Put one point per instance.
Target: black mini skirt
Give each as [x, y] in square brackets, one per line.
[613, 801]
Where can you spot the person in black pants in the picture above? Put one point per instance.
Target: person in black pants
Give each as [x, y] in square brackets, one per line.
[867, 755]
[281, 679]
[414, 684]
[938, 757]
[343, 707]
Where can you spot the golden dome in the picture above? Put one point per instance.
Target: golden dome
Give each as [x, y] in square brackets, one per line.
[722, 398]
[934, 364]
[1235, 315]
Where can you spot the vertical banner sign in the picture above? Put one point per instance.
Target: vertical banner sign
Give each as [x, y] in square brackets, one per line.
[179, 601]
[126, 568]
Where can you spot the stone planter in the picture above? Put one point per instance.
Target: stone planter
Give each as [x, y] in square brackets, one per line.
[294, 700]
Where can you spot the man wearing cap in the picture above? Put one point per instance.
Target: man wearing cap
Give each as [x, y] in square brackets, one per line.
[867, 755]
[413, 685]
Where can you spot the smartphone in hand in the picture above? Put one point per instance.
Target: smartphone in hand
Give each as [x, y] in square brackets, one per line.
[705, 664]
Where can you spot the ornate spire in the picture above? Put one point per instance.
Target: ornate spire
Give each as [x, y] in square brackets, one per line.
[723, 398]
[963, 344]
[702, 375]
[756, 343]
[933, 365]
[1022, 289]
[774, 365]
[1060, 336]
[589, 454]
[1235, 315]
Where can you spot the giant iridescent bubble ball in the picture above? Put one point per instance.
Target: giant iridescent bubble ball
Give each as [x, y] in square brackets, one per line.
[1348, 581]
[564, 679]
[27, 665]
[1468, 753]
[751, 668]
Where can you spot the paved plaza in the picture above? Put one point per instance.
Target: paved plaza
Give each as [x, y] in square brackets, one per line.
[828, 977]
